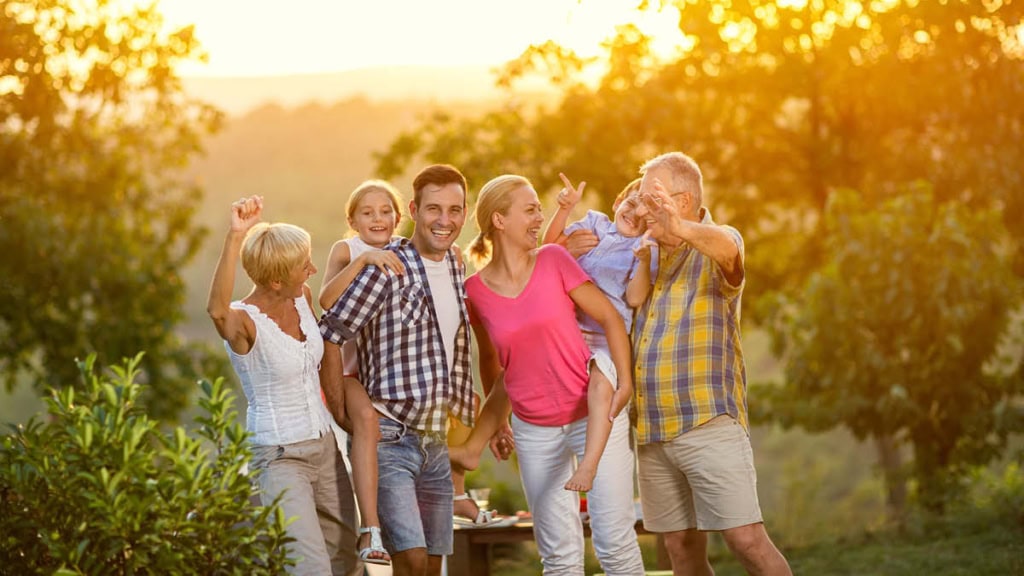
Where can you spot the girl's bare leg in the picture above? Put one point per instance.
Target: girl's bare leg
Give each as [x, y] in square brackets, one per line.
[458, 433]
[362, 417]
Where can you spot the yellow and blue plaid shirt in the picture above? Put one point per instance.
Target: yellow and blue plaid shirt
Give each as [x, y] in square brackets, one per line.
[686, 346]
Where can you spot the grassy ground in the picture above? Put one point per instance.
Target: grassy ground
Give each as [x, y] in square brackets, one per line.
[977, 543]
[981, 551]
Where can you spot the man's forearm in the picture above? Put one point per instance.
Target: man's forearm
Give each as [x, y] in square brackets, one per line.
[713, 242]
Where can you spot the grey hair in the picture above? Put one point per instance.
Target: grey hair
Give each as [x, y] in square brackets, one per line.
[686, 175]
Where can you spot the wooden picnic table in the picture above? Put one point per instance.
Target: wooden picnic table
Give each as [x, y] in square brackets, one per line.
[472, 550]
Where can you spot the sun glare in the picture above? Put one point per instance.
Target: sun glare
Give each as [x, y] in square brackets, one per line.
[262, 38]
[792, 4]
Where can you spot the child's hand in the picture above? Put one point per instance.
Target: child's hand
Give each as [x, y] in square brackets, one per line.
[386, 260]
[643, 249]
[570, 195]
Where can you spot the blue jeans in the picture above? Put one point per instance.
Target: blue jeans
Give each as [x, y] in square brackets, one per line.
[415, 491]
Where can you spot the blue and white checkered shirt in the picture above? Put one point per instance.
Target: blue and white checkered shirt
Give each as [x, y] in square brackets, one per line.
[402, 361]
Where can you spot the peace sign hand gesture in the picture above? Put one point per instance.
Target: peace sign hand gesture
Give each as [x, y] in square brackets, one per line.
[570, 195]
[643, 249]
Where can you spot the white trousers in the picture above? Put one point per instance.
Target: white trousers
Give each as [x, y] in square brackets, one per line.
[547, 458]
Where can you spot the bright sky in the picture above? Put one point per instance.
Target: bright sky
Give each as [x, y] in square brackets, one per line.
[266, 38]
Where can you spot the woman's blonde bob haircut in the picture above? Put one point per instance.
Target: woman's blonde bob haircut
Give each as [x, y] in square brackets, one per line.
[495, 196]
[270, 252]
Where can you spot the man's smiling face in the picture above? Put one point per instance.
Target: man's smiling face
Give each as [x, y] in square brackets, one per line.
[439, 219]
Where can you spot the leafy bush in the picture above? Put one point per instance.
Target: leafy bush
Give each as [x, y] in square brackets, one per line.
[97, 488]
[998, 492]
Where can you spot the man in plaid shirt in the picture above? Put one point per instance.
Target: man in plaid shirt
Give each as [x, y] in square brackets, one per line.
[696, 465]
[412, 332]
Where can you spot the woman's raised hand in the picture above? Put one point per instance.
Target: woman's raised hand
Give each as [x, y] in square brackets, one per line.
[246, 213]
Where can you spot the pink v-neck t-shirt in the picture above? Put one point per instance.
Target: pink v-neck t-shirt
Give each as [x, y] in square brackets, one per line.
[537, 339]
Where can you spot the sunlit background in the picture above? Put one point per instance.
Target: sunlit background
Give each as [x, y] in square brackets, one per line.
[871, 152]
[267, 38]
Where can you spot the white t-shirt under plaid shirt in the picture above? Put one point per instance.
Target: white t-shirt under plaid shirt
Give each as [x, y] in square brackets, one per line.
[402, 359]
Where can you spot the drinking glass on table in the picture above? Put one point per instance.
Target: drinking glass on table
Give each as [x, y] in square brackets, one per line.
[481, 496]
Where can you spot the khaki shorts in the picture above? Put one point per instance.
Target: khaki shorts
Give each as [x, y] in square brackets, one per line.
[701, 479]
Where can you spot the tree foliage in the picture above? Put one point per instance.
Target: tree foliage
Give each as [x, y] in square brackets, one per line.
[97, 489]
[781, 103]
[898, 336]
[784, 103]
[95, 220]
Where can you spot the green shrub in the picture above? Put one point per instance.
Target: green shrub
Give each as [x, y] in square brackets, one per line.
[997, 496]
[97, 488]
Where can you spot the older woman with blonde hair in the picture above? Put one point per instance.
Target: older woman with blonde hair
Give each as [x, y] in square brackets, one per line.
[274, 344]
[522, 308]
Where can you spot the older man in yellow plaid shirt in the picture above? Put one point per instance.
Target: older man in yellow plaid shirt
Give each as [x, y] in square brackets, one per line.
[696, 465]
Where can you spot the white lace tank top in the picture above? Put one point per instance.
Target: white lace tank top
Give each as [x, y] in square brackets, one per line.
[280, 380]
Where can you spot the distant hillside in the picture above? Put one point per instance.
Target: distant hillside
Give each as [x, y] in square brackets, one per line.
[305, 141]
[237, 96]
[304, 161]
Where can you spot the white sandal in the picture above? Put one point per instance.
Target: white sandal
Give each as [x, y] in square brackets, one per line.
[484, 518]
[376, 545]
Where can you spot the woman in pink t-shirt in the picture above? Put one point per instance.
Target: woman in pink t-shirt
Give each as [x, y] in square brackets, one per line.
[533, 357]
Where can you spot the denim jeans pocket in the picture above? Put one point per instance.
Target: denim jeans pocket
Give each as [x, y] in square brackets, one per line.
[391, 432]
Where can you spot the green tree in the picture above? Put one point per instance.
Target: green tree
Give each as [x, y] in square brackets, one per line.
[95, 217]
[97, 489]
[781, 103]
[897, 338]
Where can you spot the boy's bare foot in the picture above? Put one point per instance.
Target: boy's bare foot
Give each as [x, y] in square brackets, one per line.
[461, 456]
[583, 479]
